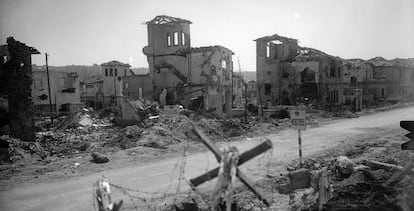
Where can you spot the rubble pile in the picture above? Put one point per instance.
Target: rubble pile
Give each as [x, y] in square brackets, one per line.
[358, 186]
[86, 119]
[145, 108]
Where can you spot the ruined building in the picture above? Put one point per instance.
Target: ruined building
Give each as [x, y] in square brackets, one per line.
[64, 89]
[15, 82]
[288, 74]
[198, 78]
[286, 71]
[112, 73]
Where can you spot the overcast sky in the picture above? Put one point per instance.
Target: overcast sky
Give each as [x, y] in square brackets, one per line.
[85, 32]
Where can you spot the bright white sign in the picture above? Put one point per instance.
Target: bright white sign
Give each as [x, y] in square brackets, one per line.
[298, 119]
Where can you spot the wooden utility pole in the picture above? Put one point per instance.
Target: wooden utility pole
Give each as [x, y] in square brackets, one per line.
[48, 85]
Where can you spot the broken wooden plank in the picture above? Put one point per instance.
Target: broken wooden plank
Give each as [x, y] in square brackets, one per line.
[246, 181]
[208, 143]
[218, 154]
[386, 166]
[406, 170]
[247, 155]
[380, 165]
[325, 192]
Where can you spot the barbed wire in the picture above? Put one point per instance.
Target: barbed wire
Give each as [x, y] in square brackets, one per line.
[151, 196]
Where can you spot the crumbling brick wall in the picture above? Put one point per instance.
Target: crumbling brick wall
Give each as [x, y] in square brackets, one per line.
[18, 78]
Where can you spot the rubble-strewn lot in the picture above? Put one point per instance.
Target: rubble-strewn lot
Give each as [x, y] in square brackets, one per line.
[364, 189]
[90, 142]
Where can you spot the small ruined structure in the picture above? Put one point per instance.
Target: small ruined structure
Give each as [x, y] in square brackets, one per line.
[115, 81]
[238, 89]
[16, 79]
[64, 89]
[91, 92]
[113, 72]
[137, 87]
[288, 74]
[198, 78]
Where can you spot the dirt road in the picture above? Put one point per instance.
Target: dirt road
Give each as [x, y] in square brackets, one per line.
[76, 193]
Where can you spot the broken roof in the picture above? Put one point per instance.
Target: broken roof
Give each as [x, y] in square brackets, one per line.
[276, 37]
[92, 80]
[115, 63]
[379, 61]
[311, 54]
[11, 40]
[167, 20]
[403, 62]
[354, 63]
[210, 49]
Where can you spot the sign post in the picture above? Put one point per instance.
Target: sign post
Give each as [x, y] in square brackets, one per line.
[298, 117]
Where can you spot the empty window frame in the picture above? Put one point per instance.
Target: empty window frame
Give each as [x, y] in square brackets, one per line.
[116, 72]
[168, 39]
[223, 64]
[106, 72]
[175, 43]
[339, 72]
[182, 38]
[268, 50]
[268, 88]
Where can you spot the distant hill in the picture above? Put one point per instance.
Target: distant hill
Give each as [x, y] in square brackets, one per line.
[83, 71]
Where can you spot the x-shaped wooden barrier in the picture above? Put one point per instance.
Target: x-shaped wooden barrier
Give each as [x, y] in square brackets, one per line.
[246, 156]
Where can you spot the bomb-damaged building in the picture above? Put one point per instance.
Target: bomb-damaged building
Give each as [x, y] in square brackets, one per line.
[288, 74]
[198, 78]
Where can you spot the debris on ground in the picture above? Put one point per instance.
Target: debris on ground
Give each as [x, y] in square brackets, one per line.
[343, 167]
[99, 157]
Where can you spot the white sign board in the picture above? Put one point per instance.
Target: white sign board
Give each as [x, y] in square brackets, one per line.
[171, 110]
[298, 119]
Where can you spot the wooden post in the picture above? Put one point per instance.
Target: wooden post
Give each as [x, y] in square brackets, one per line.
[224, 185]
[324, 187]
[218, 154]
[103, 197]
[300, 148]
[244, 157]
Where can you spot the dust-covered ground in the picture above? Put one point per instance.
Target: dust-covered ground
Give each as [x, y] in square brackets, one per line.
[149, 168]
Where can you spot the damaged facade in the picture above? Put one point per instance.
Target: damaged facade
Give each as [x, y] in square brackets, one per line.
[91, 92]
[112, 73]
[137, 87]
[198, 78]
[288, 74]
[238, 89]
[115, 81]
[16, 79]
[64, 89]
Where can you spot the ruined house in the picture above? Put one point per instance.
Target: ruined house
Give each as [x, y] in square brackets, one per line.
[92, 92]
[198, 78]
[137, 87]
[64, 89]
[406, 85]
[238, 89]
[112, 73]
[16, 79]
[252, 92]
[288, 74]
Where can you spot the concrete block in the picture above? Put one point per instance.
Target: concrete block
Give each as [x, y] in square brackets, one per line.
[300, 178]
